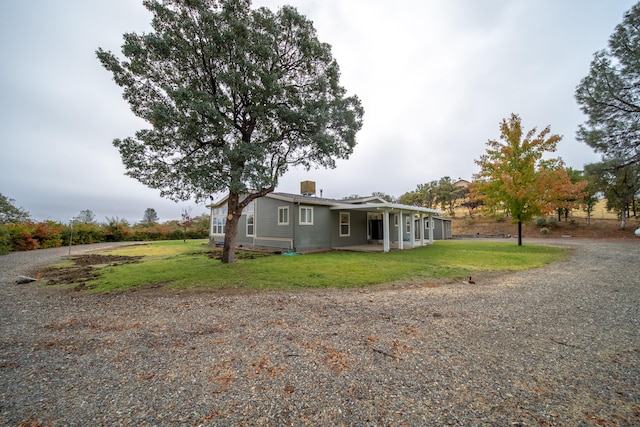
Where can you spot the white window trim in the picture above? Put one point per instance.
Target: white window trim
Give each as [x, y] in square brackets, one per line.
[252, 215]
[300, 215]
[219, 222]
[283, 208]
[348, 214]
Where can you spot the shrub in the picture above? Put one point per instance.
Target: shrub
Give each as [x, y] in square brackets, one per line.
[552, 220]
[116, 232]
[544, 230]
[21, 237]
[540, 221]
[48, 234]
[5, 240]
[83, 233]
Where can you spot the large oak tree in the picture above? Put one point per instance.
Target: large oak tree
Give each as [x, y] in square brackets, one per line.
[235, 96]
[515, 179]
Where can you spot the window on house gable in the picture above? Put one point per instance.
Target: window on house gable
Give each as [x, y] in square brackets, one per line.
[306, 215]
[219, 220]
[345, 224]
[248, 209]
[283, 215]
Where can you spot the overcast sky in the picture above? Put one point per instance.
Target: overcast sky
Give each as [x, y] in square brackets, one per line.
[436, 78]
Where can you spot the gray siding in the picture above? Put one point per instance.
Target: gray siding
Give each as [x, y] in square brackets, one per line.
[241, 238]
[358, 229]
[267, 219]
[268, 232]
[442, 229]
[316, 236]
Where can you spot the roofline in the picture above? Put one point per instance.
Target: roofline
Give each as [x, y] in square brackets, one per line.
[386, 206]
[292, 198]
[306, 200]
[341, 204]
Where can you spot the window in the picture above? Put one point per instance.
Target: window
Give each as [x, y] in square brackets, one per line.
[306, 215]
[408, 225]
[345, 224]
[283, 215]
[395, 220]
[248, 209]
[249, 212]
[250, 225]
[219, 220]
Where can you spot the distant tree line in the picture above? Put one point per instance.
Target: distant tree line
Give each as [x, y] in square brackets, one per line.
[19, 233]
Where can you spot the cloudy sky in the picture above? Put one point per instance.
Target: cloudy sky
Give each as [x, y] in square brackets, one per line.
[435, 77]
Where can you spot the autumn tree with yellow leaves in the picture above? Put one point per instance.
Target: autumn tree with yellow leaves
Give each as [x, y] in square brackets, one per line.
[516, 180]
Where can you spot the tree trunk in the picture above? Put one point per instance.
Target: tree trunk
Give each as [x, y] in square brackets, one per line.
[519, 233]
[231, 230]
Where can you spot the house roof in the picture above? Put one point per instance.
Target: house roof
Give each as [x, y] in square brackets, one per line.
[386, 206]
[311, 200]
[371, 203]
[299, 198]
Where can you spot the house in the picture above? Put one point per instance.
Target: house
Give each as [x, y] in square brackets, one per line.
[304, 222]
[461, 183]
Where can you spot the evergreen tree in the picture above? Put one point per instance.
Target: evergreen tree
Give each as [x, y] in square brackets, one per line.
[610, 96]
[9, 213]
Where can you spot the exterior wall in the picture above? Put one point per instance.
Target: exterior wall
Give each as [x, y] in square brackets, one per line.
[394, 221]
[323, 233]
[442, 229]
[406, 234]
[316, 236]
[268, 232]
[358, 229]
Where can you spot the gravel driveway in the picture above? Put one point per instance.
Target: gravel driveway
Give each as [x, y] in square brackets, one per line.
[559, 345]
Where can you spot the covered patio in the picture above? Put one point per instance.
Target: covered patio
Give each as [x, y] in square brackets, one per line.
[402, 212]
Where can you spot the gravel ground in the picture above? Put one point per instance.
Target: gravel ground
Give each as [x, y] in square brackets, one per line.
[559, 345]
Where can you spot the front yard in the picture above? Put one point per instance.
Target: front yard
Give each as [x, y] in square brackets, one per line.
[177, 265]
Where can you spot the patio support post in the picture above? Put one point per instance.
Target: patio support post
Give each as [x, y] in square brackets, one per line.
[430, 230]
[412, 226]
[400, 231]
[385, 225]
[421, 229]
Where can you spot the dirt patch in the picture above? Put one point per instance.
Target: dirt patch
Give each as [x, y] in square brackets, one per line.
[239, 255]
[84, 269]
[576, 228]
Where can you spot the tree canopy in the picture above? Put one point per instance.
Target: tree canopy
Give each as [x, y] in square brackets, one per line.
[516, 180]
[234, 97]
[10, 213]
[619, 185]
[150, 216]
[86, 216]
[610, 96]
[442, 192]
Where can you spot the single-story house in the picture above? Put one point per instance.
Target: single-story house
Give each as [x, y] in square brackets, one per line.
[304, 222]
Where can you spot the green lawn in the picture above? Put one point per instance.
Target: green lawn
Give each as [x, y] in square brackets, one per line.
[180, 265]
